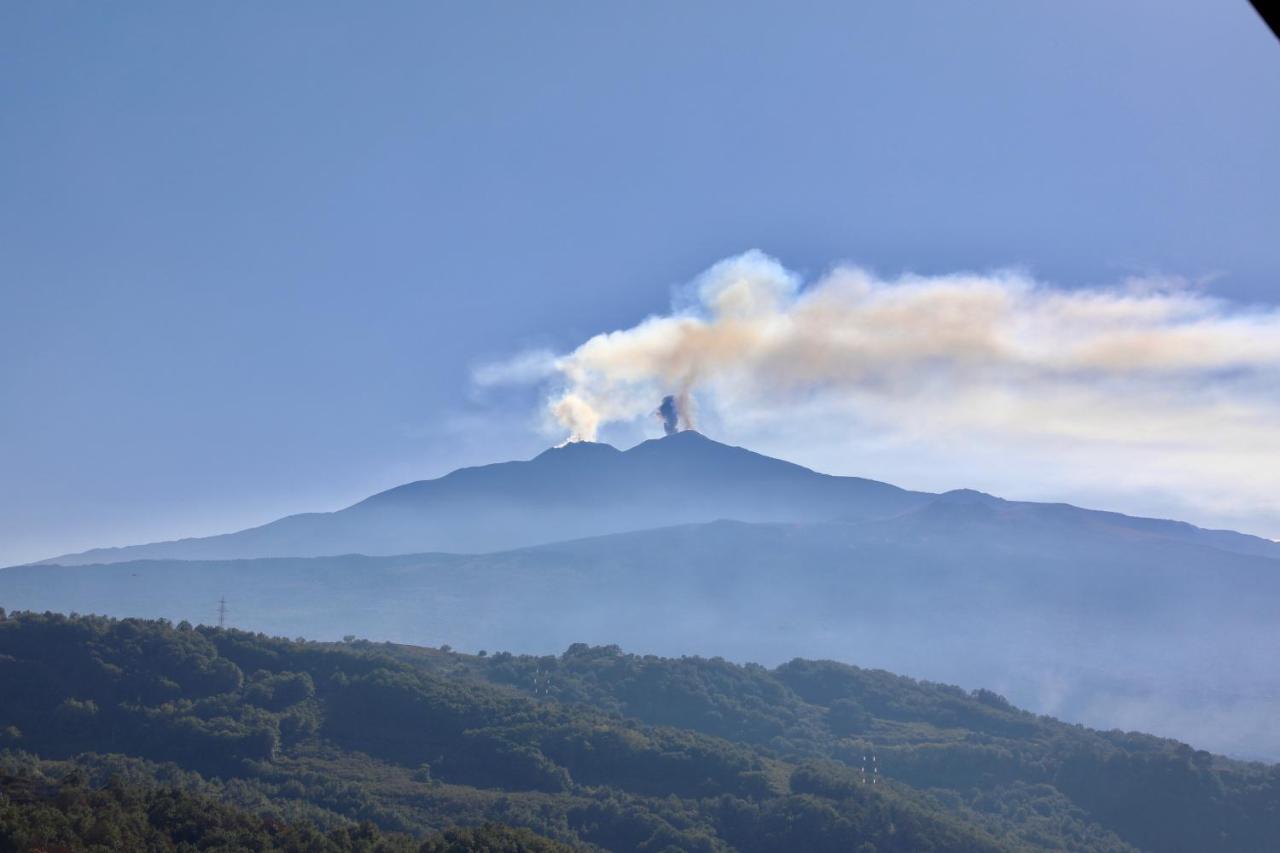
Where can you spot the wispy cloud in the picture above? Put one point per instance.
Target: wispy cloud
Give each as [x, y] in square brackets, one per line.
[529, 366]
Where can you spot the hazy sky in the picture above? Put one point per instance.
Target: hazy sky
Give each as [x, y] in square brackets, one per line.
[252, 254]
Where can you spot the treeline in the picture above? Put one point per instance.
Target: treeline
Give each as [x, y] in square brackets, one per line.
[41, 813]
[361, 743]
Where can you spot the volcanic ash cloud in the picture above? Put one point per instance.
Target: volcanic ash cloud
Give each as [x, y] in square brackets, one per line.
[1146, 365]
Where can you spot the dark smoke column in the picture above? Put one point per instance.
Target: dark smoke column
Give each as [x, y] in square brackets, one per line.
[670, 415]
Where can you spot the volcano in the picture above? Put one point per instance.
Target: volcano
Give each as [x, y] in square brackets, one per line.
[585, 489]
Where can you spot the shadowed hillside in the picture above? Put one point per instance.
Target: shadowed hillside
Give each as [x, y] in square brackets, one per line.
[593, 748]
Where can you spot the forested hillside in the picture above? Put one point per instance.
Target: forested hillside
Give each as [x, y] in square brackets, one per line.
[65, 813]
[1015, 773]
[593, 749]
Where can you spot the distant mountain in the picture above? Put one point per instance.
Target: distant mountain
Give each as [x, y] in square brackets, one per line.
[685, 544]
[1091, 616]
[588, 489]
[580, 489]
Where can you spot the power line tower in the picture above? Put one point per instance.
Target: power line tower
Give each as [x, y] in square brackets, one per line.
[222, 612]
[874, 776]
[541, 683]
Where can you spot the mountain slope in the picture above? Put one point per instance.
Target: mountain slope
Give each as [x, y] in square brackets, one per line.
[588, 489]
[581, 489]
[1096, 616]
[1069, 612]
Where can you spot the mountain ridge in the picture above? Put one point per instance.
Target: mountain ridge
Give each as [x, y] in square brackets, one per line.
[586, 489]
[567, 492]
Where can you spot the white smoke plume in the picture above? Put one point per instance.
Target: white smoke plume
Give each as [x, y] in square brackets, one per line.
[997, 357]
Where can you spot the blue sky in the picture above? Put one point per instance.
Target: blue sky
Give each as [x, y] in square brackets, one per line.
[251, 254]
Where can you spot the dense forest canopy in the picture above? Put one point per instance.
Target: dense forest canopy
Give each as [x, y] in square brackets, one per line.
[143, 730]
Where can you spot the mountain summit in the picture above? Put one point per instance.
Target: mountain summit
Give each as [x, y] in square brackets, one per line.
[586, 489]
[567, 492]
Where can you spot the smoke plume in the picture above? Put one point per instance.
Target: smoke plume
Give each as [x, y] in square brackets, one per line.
[1157, 373]
[670, 417]
[676, 412]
